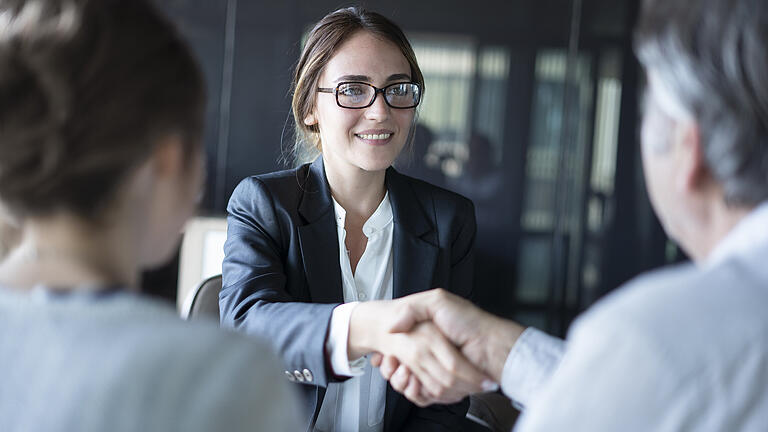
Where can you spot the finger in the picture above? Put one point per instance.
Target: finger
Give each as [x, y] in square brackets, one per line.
[462, 376]
[424, 305]
[414, 351]
[388, 367]
[416, 308]
[413, 393]
[400, 378]
[428, 370]
[404, 349]
[405, 317]
[455, 376]
[376, 359]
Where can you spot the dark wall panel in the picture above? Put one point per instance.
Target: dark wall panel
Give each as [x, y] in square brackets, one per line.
[202, 23]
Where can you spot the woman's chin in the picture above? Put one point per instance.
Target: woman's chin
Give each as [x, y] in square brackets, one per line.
[375, 165]
[377, 161]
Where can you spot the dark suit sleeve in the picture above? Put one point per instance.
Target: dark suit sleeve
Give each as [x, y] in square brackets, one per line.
[437, 418]
[451, 417]
[254, 298]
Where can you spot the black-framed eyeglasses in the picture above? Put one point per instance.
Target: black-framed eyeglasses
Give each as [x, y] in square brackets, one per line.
[357, 95]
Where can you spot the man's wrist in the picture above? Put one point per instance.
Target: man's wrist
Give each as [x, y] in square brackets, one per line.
[500, 338]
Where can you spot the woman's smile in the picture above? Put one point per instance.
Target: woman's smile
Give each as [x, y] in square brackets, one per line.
[375, 137]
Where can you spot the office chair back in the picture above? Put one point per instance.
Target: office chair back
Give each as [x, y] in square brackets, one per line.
[203, 300]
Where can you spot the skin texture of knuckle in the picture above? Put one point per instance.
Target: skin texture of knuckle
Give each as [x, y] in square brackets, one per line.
[440, 293]
[398, 387]
[452, 366]
[406, 311]
[413, 395]
[451, 381]
[443, 393]
[421, 403]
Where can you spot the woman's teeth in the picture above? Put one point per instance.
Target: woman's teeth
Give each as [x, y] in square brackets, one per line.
[375, 136]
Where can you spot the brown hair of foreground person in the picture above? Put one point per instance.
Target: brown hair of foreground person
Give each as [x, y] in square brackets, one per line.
[87, 88]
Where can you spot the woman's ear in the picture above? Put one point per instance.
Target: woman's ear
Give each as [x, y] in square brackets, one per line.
[310, 119]
[693, 171]
[168, 156]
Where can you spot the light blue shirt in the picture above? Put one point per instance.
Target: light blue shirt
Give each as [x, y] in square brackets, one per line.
[681, 349]
[120, 362]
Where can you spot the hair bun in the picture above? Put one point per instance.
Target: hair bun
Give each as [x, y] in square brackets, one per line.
[32, 115]
[86, 89]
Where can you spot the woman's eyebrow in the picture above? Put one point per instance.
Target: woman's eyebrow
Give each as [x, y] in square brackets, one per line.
[363, 78]
[366, 78]
[397, 77]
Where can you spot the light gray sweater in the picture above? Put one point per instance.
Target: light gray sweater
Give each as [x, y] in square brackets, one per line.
[122, 362]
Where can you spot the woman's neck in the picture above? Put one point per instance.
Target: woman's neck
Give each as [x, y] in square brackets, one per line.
[62, 252]
[358, 191]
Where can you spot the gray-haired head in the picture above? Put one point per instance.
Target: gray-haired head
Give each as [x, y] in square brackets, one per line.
[712, 55]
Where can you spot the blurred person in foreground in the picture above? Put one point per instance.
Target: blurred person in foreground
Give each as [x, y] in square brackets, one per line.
[101, 109]
[9, 236]
[684, 348]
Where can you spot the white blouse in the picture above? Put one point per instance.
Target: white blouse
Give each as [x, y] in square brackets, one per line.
[357, 404]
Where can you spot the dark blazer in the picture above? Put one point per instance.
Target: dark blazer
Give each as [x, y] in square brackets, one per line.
[281, 275]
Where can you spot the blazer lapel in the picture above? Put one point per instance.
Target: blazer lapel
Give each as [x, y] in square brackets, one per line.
[318, 238]
[414, 240]
[415, 256]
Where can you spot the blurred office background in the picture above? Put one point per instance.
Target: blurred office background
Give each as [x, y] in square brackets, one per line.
[531, 110]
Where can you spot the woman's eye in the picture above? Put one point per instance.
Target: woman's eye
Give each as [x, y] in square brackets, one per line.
[351, 90]
[400, 90]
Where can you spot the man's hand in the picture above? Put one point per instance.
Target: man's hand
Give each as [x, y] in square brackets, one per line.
[484, 339]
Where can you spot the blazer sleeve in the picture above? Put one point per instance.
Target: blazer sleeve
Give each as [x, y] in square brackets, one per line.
[254, 298]
[443, 418]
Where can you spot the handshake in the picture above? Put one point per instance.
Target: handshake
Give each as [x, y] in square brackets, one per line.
[433, 347]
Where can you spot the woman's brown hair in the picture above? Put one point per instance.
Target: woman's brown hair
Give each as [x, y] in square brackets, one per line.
[87, 88]
[323, 41]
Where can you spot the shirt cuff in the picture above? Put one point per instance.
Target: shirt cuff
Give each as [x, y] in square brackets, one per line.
[530, 363]
[336, 344]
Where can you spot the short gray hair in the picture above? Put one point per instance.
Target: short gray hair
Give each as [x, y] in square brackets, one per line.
[713, 56]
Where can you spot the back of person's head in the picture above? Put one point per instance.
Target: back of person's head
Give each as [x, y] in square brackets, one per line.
[322, 43]
[87, 87]
[712, 58]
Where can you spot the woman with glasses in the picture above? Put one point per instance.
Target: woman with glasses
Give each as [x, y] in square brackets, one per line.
[314, 253]
[101, 107]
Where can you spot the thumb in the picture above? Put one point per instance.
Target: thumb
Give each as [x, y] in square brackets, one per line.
[414, 308]
[376, 359]
[403, 320]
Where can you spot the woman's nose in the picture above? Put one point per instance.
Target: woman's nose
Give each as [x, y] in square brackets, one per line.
[379, 110]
